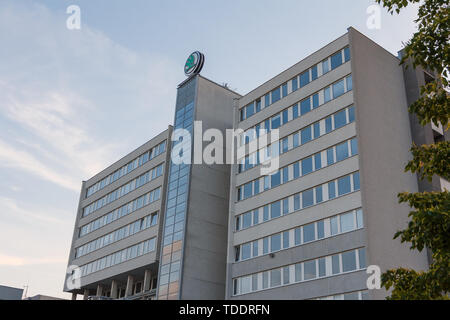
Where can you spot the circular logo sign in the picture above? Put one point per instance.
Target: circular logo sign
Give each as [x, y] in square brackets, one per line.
[194, 63]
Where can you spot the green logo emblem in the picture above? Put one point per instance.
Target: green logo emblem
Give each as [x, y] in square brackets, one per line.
[194, 63]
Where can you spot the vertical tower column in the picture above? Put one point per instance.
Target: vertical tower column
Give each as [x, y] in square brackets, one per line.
[147, 280]
[114, 289]
[129, 289]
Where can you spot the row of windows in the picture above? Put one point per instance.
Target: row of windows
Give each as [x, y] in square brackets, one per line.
[297, 110]
[348, 261]
[327, 191]
[314, 231]
[305, 135]
[118, 257]
[138, 162]
[119, 234]
[294, 84]
[124, 210]
[357, 295]
[125, 189]
[298, 169]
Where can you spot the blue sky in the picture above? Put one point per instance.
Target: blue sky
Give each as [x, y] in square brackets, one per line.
[74, 101]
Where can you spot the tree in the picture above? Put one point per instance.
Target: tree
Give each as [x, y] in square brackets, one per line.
[430, 218]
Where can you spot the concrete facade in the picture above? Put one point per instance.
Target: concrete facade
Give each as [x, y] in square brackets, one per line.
[124, 279]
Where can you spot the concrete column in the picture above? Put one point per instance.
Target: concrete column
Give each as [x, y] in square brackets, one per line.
[86, 294]
[114, 289]
[99, 290]
[129, 289]
[74, 296]
[147, 280]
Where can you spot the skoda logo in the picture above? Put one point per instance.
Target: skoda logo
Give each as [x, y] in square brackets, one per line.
[194, 63]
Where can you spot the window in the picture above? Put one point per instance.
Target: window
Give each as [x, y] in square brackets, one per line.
[295, 111]
[256, 217]
[298, 272]
[347, 223]
[285, 145]
[342, 151]
[309, 233]
[354, 146]
[318, 161]
[319, 197]
[338, 89]
[246, 251]
[335, 264]
[275, 209]
[296, 202]
[334, 225]
[346, 54]
[340, 119]
[362, 258]
[331, 190]
[265, 280]
[294, 84]
[330, 156]
[315, 100]
[255, 249]
[344, 185]
[266, 213]
[349, 83]
[305, 106]
[286, 279]
[248, 190]
[348, 261]
[286, 206]
[237, 253]
[308, 198]
[297, 236]
[256, 186]
[296, 140]
[254, 282]
[266, 245]
[310, 270]
[325, 66]
[266, 182]
[275, 278]
[306, 135]
[267, 100]
[275, 95]
[285, 239]
[246, 284]
[284, 90]
[238, 221]
[314, 73]
[356, 184]
[285, 116]
[351, 114]
[296, 170]
[328, 124]
[250, 110]
[304, 79]
[336, 60]
[320, 229]
[322, 270]
[275, 243]
[327, 94]
[258, 105]
[276, 121]
[307, 166]
[275, 179]
[359, 218]
[247, 220]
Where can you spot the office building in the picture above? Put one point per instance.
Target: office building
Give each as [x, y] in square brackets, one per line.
[307, 229]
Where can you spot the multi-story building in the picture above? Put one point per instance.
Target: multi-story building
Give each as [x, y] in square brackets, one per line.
[116, 239]
[307, 228]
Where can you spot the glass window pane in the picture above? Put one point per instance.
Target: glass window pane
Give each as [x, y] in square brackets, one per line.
[320, 229]
[284, 90]
[340, 119]
[295, 84]
[325, 66]
[275, 179]
[298, 272]
[356, 185]
[266, 245]
[322, 270]
[319, 196]
[255, 249]
[295, 111]
[306, 135]
[285, 239]
[362, 258]
[314, 73]
[346, 54]
[307, 166]
[275, 278]
[330, 156]
[304, 79]
[265, 280]
[315, 100]
[310, 270]
[309, 233]
[349, 261]
[276, 121]
[334, 225]
[308, 198]
[327, 94]
[351, 114]
[316, 130]
[354, 146]
[338, 89]
[246, 251]
[335, 264]
[266, 213]
[342, 151]
[296, 202]
[305, 106]
[250, 110]
[359, 218]
[275, 209]
[331, 190]
[344, 185]
[247, 220]
[296, 170]
[336, 60]
[347, 223]
[349, 83]
[318, 161]
[286, 279]
[297, 236]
